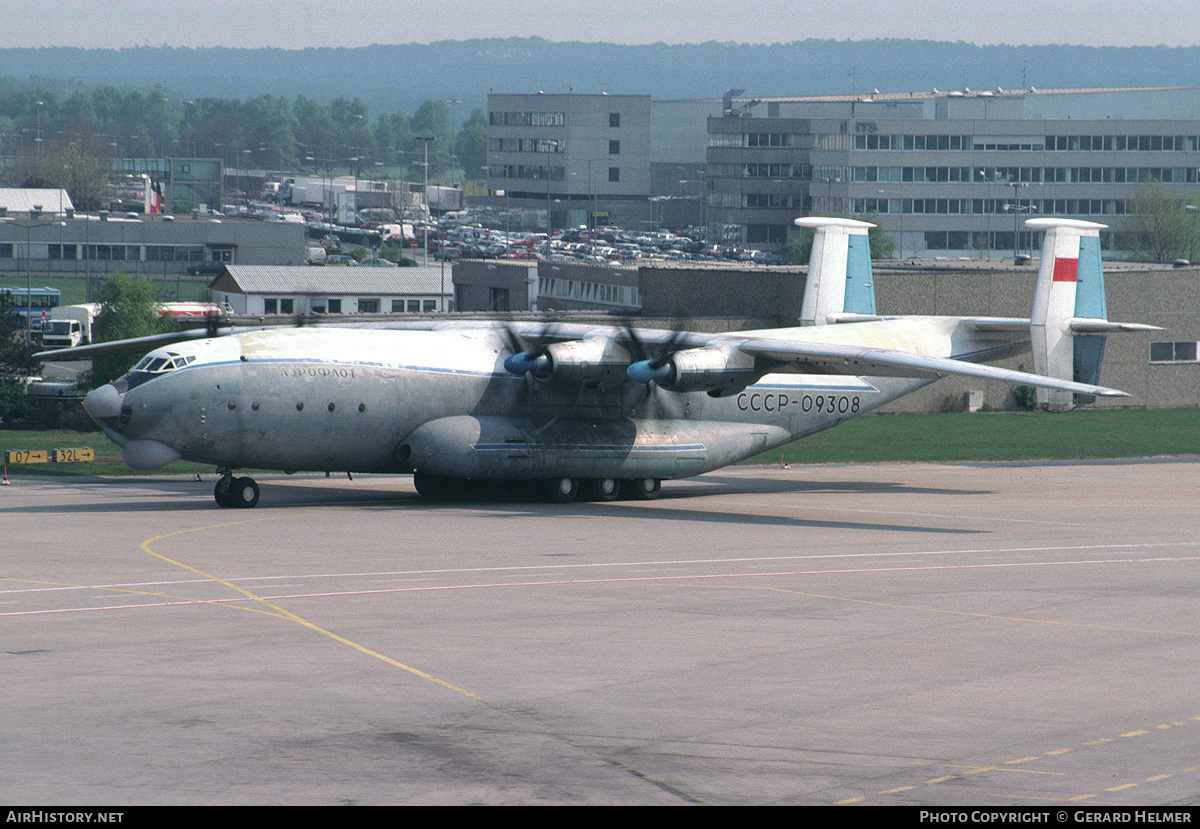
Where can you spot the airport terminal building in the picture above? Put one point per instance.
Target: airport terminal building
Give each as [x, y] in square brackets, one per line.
[949, 173]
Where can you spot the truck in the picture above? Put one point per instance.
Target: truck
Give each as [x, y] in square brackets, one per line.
[69, 326]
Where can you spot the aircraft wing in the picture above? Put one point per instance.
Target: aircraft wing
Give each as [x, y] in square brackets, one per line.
[137, 344]
[834, 358]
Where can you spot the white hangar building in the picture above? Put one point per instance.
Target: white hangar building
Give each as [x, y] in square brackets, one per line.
[270, 290]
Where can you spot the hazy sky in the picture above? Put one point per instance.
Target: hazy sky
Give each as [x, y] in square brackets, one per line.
[301, 23]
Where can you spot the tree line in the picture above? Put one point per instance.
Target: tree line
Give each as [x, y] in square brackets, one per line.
[56, 135]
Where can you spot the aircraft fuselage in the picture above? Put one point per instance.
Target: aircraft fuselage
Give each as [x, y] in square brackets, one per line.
[391, 401]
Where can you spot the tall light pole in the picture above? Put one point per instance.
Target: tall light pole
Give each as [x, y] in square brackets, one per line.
[38, 144]
[549, 145]
[987, 206]
[1191, 208]
[453, 102]
[426, 139]
[29, 226]
[899, 198]
[1017, 210]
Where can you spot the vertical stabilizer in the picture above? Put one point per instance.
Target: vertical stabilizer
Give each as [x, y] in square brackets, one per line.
[839, 271]
[1070, 286]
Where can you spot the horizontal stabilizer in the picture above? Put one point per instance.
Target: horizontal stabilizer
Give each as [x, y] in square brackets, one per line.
[997, 324]
[833, 358]
[1083, 325]
[843, 318]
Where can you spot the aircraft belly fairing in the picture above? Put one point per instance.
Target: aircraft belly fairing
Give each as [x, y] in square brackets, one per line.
[519, 448]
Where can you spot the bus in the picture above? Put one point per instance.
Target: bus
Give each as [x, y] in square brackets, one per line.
[35, 302]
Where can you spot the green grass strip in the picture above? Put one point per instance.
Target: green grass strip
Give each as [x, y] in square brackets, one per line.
[980, 436]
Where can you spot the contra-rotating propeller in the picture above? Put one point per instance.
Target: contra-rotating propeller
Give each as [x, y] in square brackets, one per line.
[528, 357]
[646, 369]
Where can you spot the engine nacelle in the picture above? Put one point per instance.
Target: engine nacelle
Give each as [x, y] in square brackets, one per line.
[589, 362]
[718, 371]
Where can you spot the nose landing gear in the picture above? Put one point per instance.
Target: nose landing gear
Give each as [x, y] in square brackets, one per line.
[235, 492]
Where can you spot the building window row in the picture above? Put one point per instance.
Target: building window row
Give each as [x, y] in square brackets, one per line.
[527, 171]
[1123, 143]
[601, 292]
[912, 142]
[1030, 175]
[793, 171]
[112, 253]
[527, 119]
[1053, 143]
[774, 200]
[526, 145]
[1173, 352]
[770, 139]
[412, 306]
[983, 207]
[762, 234]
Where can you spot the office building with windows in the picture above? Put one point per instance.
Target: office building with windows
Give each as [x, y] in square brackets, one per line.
[42, 245]
[949, 173]
[585, 159]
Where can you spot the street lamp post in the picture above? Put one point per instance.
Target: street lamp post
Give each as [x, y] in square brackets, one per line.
[549, 223]
[1191, 208]
[899, 198]
[426, 139]
[1017, 209]
[29, 227]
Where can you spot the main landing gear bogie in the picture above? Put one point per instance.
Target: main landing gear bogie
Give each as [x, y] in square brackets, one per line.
[562, 490]
[603, 489]
[233, 492]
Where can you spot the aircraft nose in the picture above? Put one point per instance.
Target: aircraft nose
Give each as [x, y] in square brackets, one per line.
[104, 402]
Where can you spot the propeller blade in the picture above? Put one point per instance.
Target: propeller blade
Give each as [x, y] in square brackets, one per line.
[646, 368]
[526, 357]
[668, 348]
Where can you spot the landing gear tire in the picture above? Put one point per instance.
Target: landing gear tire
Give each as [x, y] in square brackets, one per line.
[562, 490]
[601, 489]
[429, 486]
[222, 492]
[245, 493]
[641, 489]
[235, 492]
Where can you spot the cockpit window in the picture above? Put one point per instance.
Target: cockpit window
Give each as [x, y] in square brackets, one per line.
[161, 365]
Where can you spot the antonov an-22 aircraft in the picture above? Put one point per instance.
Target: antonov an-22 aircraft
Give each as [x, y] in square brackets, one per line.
[579, 410]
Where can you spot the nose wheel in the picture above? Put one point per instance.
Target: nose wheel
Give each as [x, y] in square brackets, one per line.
[235, 492]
